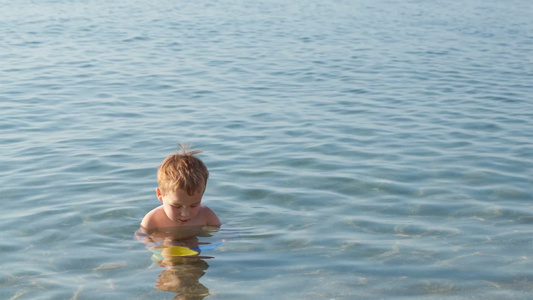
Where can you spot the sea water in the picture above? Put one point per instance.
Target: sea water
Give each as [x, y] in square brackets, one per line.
[358, 149]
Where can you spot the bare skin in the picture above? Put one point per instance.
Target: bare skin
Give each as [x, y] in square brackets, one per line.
[179, 209]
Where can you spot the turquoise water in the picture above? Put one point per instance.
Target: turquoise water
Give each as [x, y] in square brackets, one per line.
[357, 149]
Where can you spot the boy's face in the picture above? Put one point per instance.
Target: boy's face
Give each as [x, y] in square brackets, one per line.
[179, 206]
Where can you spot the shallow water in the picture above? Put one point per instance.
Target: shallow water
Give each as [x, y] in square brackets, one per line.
[357, 149]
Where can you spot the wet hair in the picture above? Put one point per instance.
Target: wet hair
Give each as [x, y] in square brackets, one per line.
[183, 171]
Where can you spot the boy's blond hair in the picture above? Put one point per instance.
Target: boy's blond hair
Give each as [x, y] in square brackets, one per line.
[182, 171]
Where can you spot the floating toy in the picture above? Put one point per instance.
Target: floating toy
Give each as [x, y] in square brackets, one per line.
[171, 251]
[178, 251]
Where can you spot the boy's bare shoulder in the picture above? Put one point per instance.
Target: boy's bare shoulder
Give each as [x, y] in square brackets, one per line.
[211, 219]
[150, 220]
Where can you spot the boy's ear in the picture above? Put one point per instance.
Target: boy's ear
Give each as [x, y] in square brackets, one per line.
[159, 194]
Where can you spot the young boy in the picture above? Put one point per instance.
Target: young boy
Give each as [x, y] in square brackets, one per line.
[182, 179]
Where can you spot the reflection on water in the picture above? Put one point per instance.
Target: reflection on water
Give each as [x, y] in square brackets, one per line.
[182, 276]
[179, 251]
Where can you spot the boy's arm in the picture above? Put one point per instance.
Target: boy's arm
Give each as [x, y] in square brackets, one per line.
[142, 235]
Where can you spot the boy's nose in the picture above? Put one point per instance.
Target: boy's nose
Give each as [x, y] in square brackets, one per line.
[185, 212]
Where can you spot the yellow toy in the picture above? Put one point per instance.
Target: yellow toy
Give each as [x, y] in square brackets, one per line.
[171, 253]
